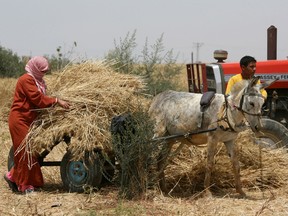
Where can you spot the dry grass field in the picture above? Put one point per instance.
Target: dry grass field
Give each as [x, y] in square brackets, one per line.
[264, 177]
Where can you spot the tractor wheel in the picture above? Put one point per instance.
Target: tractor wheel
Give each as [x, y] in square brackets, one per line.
[80, 176]
[272, 134]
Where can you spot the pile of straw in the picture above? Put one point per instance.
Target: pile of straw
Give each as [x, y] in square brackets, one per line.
[261, 168]
[96, 94]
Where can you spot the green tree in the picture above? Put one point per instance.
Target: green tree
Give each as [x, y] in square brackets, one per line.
[11, 64]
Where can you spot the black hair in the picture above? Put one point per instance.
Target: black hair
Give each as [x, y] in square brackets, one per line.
[246, 60]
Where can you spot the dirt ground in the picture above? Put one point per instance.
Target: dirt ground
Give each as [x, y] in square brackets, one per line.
[52, 200]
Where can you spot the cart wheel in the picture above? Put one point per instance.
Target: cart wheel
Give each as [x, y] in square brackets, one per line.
[10, 162]
[108, 171]
[78, 175]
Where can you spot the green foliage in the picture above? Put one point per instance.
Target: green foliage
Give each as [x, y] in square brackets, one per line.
[10, 64]
[60, 60]
[56, 64]
[122, 54]
[157, 66]
[136, 154]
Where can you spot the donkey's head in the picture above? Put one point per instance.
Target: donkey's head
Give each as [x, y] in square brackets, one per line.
[252, 100]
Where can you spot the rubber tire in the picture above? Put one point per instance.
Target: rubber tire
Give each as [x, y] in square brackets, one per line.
[10, 161]
[272, 134]
[78, 176]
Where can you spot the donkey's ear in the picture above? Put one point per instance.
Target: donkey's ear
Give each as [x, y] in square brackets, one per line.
[254, 81]
[268, 83]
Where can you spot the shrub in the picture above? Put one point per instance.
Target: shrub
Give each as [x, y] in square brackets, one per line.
[157, 66]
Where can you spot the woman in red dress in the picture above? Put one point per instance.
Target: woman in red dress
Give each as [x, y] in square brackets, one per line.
[30, 94]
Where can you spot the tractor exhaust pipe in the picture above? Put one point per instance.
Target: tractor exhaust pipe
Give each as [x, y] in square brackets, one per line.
[272, 43]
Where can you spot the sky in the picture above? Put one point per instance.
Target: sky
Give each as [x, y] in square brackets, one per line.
[37, 27]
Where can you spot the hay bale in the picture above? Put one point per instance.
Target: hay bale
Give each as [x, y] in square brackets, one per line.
[96, 93]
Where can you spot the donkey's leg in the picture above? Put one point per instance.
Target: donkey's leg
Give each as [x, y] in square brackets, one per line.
[211, 150]
[233, 154]
[162, 162]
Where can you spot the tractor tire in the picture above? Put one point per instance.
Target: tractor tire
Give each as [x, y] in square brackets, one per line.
[80, 176]
[272, 134]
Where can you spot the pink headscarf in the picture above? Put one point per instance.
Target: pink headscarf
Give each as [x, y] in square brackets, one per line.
[37, 67]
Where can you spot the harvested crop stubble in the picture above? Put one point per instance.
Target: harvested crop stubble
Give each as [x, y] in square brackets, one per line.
[7, 87]
[96, 94]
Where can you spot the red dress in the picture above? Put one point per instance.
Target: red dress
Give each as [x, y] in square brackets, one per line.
[26, 98]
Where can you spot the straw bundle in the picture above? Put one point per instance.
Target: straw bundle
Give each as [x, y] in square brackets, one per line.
[96, 94]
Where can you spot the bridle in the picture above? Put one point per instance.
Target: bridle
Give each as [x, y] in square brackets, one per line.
[240, 108]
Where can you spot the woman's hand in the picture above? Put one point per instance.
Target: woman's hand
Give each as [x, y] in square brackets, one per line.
[63, 103]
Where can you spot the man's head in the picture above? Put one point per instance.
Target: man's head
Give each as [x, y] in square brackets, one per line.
[248, 67]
